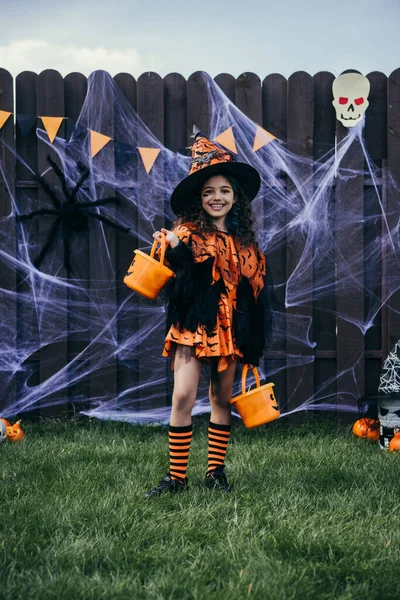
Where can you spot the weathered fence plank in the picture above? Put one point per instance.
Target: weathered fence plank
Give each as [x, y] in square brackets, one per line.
[175, 112]
[324, 320]
[300, 378]
[103, 289]
[274, 107]
[393, 201]
[75, 90]
[175, 138]
[197, 104]
[53, 356]
[350, 273]
[26, 146]
[227, 83]
[375, 136]
[151, 112]
[248, 96]
[7, 195]
[128, 317]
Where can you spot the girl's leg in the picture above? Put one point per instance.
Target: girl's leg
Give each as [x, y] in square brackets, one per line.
[220, 425]
[221, 394]
[187, 369]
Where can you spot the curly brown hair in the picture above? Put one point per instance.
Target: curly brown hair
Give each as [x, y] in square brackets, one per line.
[239, 220]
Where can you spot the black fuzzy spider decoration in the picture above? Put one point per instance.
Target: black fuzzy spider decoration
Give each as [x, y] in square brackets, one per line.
[70, 215]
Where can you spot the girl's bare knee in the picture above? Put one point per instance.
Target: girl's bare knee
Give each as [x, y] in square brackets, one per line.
[182, 402]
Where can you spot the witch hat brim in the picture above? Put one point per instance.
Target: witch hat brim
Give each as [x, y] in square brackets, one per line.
[246, 176]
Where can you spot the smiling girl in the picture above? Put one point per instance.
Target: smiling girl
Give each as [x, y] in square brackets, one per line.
[217, 311]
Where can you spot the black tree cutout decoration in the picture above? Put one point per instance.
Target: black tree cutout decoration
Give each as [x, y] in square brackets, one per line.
[70, 215]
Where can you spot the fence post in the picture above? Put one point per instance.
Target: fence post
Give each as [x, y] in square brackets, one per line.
[300, 376]
[274, 106]
[53, 356]
[393, 200]
[8, 272]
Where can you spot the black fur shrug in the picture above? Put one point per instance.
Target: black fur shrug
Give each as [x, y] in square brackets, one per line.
[193, 300]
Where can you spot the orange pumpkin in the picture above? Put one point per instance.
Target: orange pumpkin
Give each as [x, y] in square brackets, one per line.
[6, 423]
[394, 444]
[367, 428]
[14, 432]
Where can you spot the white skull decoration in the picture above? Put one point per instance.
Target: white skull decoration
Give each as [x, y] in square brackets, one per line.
[389, 419]
[350, 93]
[389, 397]
[3, 432]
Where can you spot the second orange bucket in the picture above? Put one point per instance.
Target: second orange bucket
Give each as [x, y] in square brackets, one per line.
[259, 406]
[146, 275]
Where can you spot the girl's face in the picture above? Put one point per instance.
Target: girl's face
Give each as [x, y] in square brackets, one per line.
[217, 198]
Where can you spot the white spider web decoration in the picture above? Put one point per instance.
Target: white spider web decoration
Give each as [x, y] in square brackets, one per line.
[390, 378]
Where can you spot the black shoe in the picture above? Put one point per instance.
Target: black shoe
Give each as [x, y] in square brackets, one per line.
[168, 485]
[216, 480]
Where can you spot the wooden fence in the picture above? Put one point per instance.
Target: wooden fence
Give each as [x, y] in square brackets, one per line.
[298, 111]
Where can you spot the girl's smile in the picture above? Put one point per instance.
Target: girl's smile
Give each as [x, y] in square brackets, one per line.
[217, 198]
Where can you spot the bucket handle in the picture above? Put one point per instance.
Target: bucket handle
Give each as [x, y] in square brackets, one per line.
[244, 375]
[163, 247]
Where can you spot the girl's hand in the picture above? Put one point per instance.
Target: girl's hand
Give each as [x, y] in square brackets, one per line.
[170, 237]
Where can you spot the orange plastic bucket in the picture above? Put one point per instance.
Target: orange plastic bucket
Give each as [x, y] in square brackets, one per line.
[258, 406]
[146, 275]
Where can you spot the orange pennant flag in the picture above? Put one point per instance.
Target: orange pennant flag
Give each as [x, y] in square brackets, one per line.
[97, 141]
[149, 156]
[262, 138]
[52, 125]
[227, 140]
[3, 117]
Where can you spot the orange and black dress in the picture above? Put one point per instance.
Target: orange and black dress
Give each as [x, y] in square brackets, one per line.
[216, 302]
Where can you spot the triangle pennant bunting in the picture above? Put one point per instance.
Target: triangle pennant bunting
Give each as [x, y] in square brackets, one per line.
[227, 140]
[262, 138]
[149, 156]
[97, 141]
[3, 117]
[52, 125]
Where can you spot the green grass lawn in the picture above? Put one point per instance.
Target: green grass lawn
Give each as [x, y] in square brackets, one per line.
[314, 515]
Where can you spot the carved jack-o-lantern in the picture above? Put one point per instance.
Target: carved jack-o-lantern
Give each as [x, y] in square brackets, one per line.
[14, 432]
[350, 98]
[367, 428]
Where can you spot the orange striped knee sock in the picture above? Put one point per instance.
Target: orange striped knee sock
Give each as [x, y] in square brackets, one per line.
[179, 446]
[218, 438]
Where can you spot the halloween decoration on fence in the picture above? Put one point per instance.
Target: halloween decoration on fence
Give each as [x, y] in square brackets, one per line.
[116, 333]
[70, 216]
[350, 98]
[367, 428]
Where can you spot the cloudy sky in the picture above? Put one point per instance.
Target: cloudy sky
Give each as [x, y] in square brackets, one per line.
[263, 36]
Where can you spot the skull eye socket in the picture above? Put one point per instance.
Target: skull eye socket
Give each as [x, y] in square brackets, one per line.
[384, 411]
[343, 100]
[359, 101]
[397, 413]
